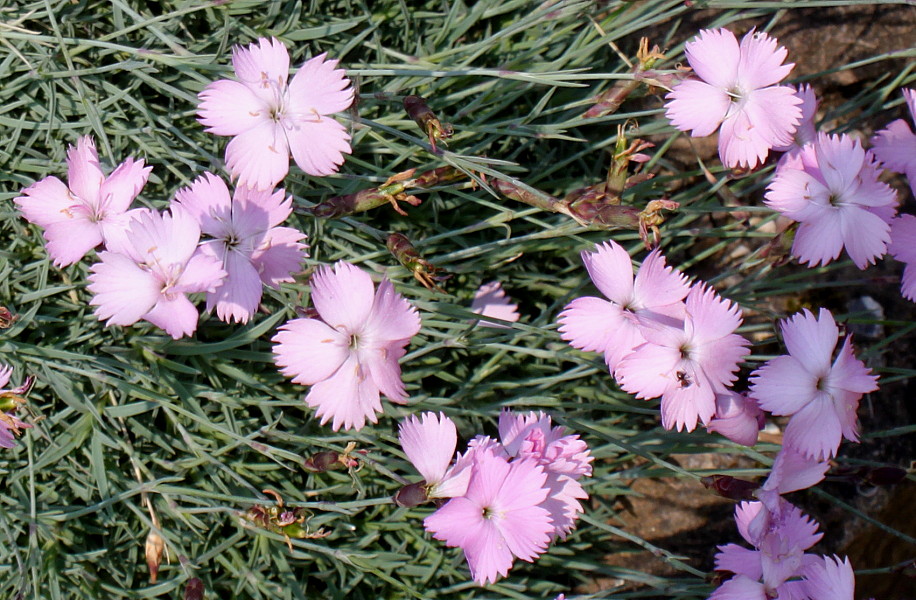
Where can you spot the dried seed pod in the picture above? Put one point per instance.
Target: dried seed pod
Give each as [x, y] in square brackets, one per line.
[423, 271]
[154, 548]
[418, 110]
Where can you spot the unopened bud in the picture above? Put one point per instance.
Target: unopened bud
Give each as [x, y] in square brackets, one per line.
[154, 547]
[730, 487]
[411, 495]
[194, 590]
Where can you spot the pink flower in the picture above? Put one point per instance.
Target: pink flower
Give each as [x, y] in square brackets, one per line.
[830, 579]
[738, 417]
[78, 218]
[10, 425]
[157, 264]
[895, 146]
[612, 326]
[270, 119]
[687, 365]
[565, 459]
[247, 241]
[780, 539]
[903, 248]
[793, 471]
[499, 518]
[832, 190]
[491, 301]
[822, 398]
[737, 91]
[429, 443]
[350, 355]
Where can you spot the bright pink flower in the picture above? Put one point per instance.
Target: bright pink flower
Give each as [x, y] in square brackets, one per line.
[499, 518]
[247, 241]
[565, 459]
[830, 579]
[270, 119]
[895, 146]
[10, 425]
[903, 248]
[738, 417]
[491, 301]
[83, 214]
[780, 538]
[737, 90]
[822, 398]
[612, 326]
[687, 366]
[831, 188]
[429, 443]
[151, 273]
[350, 355]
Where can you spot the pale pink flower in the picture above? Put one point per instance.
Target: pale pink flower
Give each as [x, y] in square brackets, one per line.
[895, 146]
[687, 366]
[903, 248]
[831, 188]
[780, 539]
[793, 471]
[737, 417]
[490, 300]
[737, 90]
[10, 425]
[429, 443]
[612, 326]
[830, 579]
[87, 211]
[270, 119]
[247, 240]
[565, 459]
[499, 518]
[821, 397]
[151, 273]
[350, 355]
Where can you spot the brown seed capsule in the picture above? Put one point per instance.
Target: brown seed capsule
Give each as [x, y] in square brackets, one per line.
[154, 547]
[194, 590]
[411, 495]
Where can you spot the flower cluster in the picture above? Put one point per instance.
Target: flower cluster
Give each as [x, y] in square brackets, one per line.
[661, 337]
[507, 499]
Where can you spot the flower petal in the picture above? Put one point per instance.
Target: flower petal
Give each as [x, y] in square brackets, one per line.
[429, 443]
[262, 66]
[122, 291]
[760, 64]
[697, 107]
[46, 201]
[259, 157]
[815, 430]
[123, 185]
[783, 386]
[318, 144]
[230, 108]
[84, 173]
[280, 255]
[321, 87]
[714, 55]
[175, 314]
[237, 297]
[343, 296]
[308, 351]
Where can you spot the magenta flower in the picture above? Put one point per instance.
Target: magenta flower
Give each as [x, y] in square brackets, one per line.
[429, 443]
[903, 248]
[737, 90]
[270, 119]
[499, 518]
[89, 210]
[738, 417]
[687, 366]
[350, 355]
[565, 459]
[10, 425]
[612, 326]
[821, 398]
[832, 190]
[830, 579]
[895, 146]
[491, 301]
[155, 267]
[246, 240]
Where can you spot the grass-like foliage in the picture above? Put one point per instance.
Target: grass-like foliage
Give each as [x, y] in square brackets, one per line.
[137, 433]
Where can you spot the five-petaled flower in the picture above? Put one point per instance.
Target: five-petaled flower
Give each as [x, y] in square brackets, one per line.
[90, 210]
[271, 118]
[737, 90]
[350, 355]
[247, 240]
